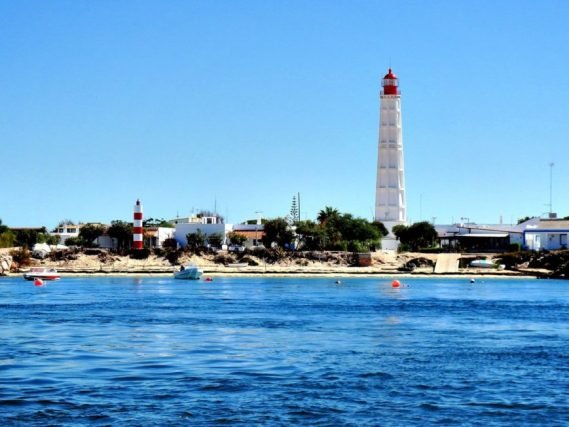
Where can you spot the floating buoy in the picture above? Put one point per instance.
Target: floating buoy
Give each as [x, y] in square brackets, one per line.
[208, 279]
[395, 284]
[38, 282]
[338, 282]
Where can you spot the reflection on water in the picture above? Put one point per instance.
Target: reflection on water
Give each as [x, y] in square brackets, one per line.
[256, 351]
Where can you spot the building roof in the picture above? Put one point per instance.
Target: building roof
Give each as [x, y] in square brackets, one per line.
[553, 223]
[250, 234]
[390, 75]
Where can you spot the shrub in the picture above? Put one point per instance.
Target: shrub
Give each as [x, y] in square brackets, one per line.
[250, 261]
[22, 257]
[143, 253]
[223, 259]
[73, 241]
[173, 256]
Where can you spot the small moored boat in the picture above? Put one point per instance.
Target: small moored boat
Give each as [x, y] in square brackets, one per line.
[42, 273]
[483, 263]
[188, 272]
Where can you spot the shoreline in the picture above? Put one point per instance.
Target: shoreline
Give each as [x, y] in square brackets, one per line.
[346, 272]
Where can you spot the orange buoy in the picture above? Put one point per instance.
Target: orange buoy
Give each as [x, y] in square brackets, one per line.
[38, 281]
[395, 284]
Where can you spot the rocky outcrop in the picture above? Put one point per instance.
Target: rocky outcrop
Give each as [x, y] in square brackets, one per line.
[5, 264]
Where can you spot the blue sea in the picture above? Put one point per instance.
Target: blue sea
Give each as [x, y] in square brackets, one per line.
[151, 351]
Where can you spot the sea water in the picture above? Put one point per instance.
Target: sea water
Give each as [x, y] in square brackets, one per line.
[275, 351]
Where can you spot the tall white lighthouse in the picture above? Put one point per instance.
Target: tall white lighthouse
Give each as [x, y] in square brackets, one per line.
[390, 185]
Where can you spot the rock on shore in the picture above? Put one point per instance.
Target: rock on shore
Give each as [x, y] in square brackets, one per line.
[5, 264]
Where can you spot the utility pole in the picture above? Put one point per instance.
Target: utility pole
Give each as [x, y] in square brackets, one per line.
[551, 189]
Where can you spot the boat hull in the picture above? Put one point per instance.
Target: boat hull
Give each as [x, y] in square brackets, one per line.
[34, 276]
[188, 274]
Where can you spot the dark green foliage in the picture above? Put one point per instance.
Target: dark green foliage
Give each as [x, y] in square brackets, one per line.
[250, 261]
[143, 253]
[73, 241]
[28, 237]
[47, 238]
[89, 232]
[195, 240]
[155, 222]
[381, 228]
[416, 236]
[170, 244]
[339, 232]
[7, 237]
[3, 228]
[278, 231]
[312, 235]
[524, 219]
[236, 238]
[215, 240]
[122, 232]
[173, 256]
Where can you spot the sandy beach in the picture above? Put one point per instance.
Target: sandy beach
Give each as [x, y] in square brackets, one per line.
[384, 264]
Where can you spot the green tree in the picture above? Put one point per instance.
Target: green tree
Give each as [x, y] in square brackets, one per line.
[7, 238]
[73, 241]
[89, 232]
[152, 222]
[327, 214]
[122, 232]
[277, 231]
[195, 240]
[312, 236]
[236, 238]
[47, 238]
[381, 228]
[416, 236]
[28, 237]
[215, 240]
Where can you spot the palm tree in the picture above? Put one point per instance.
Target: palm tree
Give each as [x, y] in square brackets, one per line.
[326, 214]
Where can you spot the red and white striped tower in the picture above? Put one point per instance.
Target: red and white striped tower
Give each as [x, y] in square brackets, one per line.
[137, 242]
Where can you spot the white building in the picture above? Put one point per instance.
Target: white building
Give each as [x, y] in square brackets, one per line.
[549, 234]
[154, 237]
[390, 206]
[66, 231]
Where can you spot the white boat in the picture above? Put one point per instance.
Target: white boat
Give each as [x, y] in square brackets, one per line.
[188, 272]
[483, 263]
[42, 273]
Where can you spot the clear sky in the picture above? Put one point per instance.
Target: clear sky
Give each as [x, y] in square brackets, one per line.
[241, 105]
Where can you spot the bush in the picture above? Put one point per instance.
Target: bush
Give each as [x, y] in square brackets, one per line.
[22, 257]
[73, 241]
[224, 259]
[250, 261]
[173, 256]
[143, 253]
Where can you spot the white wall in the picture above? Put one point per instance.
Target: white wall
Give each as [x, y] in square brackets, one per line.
[183, 229]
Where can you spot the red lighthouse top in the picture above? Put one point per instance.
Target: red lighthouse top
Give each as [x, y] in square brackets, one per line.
[390, 84]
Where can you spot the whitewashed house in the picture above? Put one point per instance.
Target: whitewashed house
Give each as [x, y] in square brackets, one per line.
[548, 234]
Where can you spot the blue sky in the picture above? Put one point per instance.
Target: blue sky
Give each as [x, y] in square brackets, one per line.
[241, 105]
